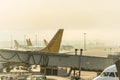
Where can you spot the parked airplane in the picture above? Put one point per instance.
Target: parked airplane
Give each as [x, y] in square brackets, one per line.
[17, 45]
[109, 73]
[32, 47]
[52, 46]
[67, 47]
[29, 43]
[45, 42]
[63, 47]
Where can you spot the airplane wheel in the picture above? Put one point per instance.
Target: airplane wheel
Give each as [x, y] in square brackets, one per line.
[8, 69]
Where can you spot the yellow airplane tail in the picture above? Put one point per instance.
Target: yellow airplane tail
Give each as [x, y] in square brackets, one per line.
[16, 43]
[54, 45]
[45, 42]
[29, 43]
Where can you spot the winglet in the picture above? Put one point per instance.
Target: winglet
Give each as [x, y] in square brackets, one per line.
[54, 45]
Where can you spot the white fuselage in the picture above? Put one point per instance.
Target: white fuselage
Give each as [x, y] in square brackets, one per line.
[34, 48]
[109, 73]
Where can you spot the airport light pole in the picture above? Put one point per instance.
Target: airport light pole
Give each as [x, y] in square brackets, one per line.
[84, 41]
[11, 41]
[76, 51]
[24, 39]
[110, 50]
[36, 39]
[75, 54]
[81, 51]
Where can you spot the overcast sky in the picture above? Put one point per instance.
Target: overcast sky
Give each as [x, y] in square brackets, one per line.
[100, 19]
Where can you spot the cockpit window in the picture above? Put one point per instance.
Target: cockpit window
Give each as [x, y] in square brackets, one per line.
[111, 74]
[104, 74]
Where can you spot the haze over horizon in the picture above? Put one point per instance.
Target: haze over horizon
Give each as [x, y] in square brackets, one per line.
[100, 19]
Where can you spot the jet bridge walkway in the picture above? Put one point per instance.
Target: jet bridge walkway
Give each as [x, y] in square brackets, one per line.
[89, 63]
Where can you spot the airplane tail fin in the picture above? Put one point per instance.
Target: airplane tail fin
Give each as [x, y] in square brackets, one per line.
[29, 43]
[45, 42]
[16, 43]
[54, 45]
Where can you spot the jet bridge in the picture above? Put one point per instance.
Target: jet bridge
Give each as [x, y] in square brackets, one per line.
[90, 63]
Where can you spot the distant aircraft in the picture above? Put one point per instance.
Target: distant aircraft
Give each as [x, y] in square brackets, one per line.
[29, 43]
[45, 42]
[63, 47]
[67, 47]
[32, 47]
[109, 73]
[52, 46]
[17, 45]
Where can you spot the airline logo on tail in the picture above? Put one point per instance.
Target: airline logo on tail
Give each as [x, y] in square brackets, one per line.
[54, 45]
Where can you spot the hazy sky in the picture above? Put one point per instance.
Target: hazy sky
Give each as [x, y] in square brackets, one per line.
[100, 19]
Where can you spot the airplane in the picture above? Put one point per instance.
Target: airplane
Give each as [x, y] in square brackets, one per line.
[67, 47]
[17, 45]
[32, 47]
[45, 42]
[52, 47]
[109, 73]
[29, 43]
[63, 47]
